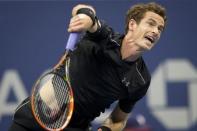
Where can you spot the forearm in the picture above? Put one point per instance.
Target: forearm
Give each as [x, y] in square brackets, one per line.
[118, 115]
[117, 120]
[103, 32]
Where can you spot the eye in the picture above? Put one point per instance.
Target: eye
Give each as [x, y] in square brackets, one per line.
[160, 28]
[150, 23]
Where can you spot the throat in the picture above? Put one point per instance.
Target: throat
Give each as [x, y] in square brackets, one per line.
[130, 52]
[132, 56]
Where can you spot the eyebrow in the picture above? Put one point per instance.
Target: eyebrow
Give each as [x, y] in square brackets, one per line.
[150, 19]
[161, 27]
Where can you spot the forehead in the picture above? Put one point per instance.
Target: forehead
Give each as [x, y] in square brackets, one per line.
[153, 16]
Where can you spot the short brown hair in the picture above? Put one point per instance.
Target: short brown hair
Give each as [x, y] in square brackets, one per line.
[138, 11]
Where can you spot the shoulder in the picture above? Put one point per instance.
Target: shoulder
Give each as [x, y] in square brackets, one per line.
[142, 70]
[141, 80]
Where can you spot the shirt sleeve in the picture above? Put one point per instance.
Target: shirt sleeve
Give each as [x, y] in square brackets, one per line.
[101, 44]
[102, 33]
[127, 104]
[139, 79]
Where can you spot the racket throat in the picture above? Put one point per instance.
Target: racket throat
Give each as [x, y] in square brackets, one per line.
[62, 60]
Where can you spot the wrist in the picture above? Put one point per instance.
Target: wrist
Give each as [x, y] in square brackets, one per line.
[88, 12]
[95, 27]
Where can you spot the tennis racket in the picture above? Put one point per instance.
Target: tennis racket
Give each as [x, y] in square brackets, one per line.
[52, 99]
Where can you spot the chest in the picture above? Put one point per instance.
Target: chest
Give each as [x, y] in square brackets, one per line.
[97, 78]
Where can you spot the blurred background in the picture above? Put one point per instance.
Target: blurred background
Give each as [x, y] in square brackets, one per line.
[33, 34]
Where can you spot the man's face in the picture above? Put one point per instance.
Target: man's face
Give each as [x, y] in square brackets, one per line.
[148, 31]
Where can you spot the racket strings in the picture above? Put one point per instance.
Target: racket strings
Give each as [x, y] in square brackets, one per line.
[55, 117]
[63, 100]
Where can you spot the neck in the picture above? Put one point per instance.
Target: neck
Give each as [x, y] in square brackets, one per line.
[129, 50]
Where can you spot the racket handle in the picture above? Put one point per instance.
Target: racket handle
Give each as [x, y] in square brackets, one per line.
[72, 40]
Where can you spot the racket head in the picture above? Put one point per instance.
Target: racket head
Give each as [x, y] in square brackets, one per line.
[52, 101]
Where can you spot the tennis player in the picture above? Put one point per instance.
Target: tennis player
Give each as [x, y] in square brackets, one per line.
[105, 67]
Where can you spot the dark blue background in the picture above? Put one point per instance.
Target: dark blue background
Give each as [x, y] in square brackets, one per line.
[33, 35]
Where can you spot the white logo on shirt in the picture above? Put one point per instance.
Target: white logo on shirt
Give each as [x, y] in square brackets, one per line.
[125, 82]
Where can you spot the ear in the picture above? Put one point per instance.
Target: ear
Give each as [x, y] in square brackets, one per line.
[132, 25]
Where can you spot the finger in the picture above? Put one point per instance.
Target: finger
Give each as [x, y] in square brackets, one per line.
[77, 20]
[74, 19]
[76, 23]
[77, 28]
[79, 17]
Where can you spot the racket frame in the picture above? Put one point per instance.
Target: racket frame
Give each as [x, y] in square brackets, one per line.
[71, 102]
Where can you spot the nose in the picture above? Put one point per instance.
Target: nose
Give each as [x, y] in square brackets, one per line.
[156, 31]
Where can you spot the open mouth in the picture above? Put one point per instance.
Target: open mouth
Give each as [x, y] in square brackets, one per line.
[150, 38]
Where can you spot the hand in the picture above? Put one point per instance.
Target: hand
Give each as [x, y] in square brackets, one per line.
[80, 22]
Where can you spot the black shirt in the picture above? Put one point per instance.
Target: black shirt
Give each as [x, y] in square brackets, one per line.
[99, 76]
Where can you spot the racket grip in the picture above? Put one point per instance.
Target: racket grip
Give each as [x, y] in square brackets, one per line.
[72, 40]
